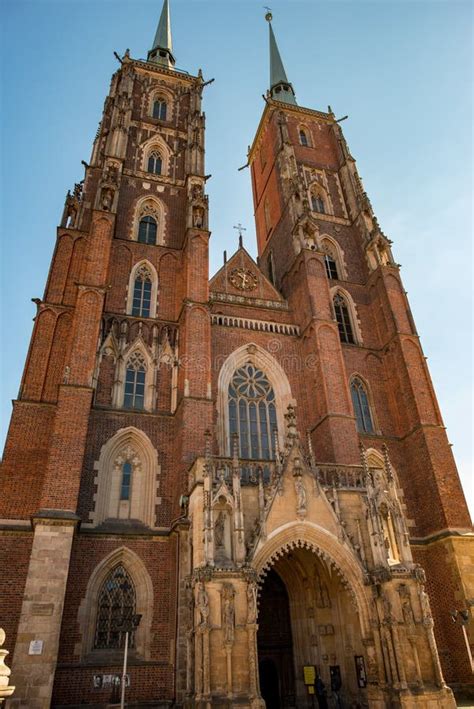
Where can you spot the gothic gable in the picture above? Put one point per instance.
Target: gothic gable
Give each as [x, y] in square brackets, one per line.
[241, 276]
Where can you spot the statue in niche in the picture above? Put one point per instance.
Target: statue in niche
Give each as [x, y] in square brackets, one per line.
[425, 605]
[203, 603]
[407, 610]
[106, 199]
[321, 591]
[198, 217]
[228, 613]
[300, 496]
[219, 531]
[251, 603]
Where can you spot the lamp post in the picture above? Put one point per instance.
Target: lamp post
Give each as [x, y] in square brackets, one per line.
[462, 616]
[127, 626]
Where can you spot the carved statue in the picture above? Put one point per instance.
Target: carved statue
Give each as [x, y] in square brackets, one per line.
[251, 603]
[300, 495]
[228, 613]
[106, 199]
[219, 527]
[425, 605]
[198, 217]
[202, 603]
[407, 609]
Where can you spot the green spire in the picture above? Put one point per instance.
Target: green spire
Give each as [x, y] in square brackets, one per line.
[162, 50]
[280, 87]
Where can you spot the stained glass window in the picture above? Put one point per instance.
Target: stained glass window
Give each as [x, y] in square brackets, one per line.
[147, 230]
[116, 605]
[135, 382]
[343, 319]
[252, 412]
[360, 402]
[159, 109]
[142, 293]
[155, 163]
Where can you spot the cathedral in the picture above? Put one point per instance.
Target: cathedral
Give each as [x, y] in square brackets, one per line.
[244, 482]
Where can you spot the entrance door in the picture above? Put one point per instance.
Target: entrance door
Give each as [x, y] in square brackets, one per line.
[275, 645]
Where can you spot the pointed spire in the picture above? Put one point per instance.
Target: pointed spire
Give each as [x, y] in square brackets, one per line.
[280, 87]
[162, 50]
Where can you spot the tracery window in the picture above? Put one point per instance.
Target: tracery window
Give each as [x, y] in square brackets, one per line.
[160, 109]
[303, 138]
[147, 229]
[142, 293]
[360, 402]
[155, 163]
[343, 319]
[117, 602]
[252, 412]
[134, 397]
[317, 203]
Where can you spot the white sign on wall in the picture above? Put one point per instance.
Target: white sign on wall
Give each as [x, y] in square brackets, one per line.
[36, 647]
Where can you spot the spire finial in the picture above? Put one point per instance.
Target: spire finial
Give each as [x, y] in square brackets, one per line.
[162, 50]
[280, 87]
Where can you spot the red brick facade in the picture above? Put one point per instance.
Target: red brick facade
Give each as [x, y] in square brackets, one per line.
[71, 399]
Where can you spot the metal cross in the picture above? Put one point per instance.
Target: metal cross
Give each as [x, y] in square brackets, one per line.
[240, 229]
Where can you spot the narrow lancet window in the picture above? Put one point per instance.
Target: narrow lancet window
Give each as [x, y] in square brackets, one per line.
[126, 481]
[343, 319]
[155, 163]
[141, 303]
[160, 109]
[134, 397]
[303, 138]
[360, 402]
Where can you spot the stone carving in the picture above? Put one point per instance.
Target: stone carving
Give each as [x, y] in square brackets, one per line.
[407, 610]
[228, 612]
[198, 217]
[300, 496]
[219, 528]
[425, 607]
[251, 603]
[106, 199]
[6, 690]
[202, 603]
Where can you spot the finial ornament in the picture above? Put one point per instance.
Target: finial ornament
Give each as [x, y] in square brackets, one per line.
[268, 16]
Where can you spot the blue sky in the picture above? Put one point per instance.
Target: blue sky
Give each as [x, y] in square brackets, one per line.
[401, 70]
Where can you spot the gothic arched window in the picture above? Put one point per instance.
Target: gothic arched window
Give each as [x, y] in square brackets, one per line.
[303, 138]
[343, 319]
[317, 203]
[252, 412]
[116, 604]
[360, 402]
[160, 109]
[141, 303]
[134, 397]
[155, 163]
[331, 267]
[147, 229]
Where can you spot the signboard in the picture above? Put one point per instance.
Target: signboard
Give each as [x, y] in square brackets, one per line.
[360, 671]
[36, 647]
[311, 689]
[109, 681]
[309, 673]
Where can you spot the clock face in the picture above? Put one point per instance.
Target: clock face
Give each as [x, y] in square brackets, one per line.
[243, 279]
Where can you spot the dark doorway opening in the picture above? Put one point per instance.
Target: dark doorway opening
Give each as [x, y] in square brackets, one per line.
[275, 645]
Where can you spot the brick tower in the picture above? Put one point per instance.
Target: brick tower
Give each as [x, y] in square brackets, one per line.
[254, 465]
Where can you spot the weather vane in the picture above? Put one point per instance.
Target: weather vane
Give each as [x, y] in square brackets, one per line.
[268, 16]
[240, 229]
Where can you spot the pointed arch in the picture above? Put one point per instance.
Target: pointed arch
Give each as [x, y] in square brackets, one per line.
[149, 207]
[132, 446]
[263, 360]
[319, 199]
[87, 615]
[161, 95]
[304, 135]
[336, 294]
[136, 357]
[138, 298]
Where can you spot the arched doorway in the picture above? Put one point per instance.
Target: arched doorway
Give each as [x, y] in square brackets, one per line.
[275, 645]
[307, 618]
